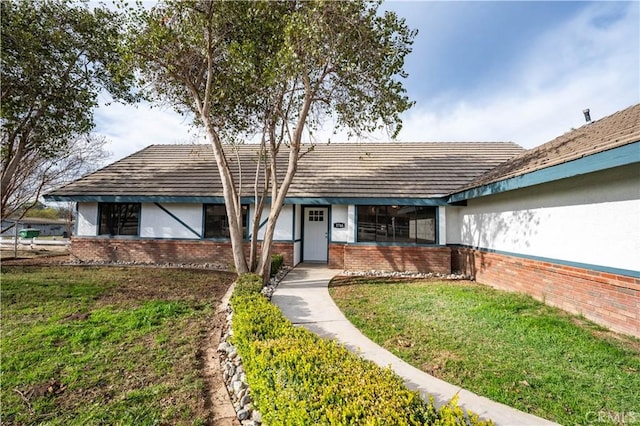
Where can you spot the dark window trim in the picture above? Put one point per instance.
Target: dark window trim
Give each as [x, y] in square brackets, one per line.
[245, 222]
[101, 207]
[397, 243]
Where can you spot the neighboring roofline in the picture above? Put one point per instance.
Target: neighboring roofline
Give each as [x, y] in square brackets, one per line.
[426, 201]
[615, 157]
[39, 220]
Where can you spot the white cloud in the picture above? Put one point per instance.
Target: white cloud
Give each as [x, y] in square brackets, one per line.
[583, 64]
[130, 128]
[589, 62]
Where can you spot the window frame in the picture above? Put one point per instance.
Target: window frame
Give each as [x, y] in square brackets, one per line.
[381, 225]
[245, 221]
[110, 227]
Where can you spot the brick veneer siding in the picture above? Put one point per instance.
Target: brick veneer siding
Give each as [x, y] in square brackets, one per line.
[607, 299]
[336, 256]
[390, 258]
[163, 251]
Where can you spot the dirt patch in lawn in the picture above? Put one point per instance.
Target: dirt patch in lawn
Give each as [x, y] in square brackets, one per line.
[34, 257]
[439, 362]
[78, 316]
[142, 285]
[217, 401]
[132, 287]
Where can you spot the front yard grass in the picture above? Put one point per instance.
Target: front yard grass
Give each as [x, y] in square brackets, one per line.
[105, 345]
[507, 347]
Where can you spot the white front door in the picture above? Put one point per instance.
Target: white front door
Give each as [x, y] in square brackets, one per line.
[315, 234]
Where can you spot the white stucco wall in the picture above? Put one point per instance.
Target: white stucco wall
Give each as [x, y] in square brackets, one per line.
[592, 219]
[442, 226]
[156, 223]
[87, 220]
[340, 214]
[284, 227]
[452, 231]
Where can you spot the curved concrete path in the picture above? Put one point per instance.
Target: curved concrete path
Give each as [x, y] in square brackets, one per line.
[303, 297]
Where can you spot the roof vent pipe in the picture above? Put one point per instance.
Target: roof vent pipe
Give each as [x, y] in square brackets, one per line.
[587, 116]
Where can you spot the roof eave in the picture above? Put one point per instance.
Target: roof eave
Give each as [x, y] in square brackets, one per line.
[95, 198]
[615, 157]
[305, 200]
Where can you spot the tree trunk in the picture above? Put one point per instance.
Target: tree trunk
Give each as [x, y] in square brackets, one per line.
[259, 202]
[279, 193]
[7, 176]
[230, 199]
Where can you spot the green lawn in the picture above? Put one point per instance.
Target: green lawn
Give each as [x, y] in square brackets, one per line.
[507, 347]
[105, 345]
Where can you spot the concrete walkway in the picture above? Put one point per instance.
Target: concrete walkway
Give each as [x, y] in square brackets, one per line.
[304, 299]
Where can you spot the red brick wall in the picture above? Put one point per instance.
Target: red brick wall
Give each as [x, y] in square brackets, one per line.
[285, 249]
[607, 299]
[336, 256]
[163, 251]
[390, 258]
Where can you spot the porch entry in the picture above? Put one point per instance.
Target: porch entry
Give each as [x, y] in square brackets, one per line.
[315, 234]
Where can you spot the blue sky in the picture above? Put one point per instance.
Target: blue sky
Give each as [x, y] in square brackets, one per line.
[479, 71]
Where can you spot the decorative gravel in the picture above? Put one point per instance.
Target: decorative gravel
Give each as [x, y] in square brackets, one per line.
[391, 274]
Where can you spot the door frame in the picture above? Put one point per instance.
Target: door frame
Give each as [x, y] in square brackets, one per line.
[327, 230]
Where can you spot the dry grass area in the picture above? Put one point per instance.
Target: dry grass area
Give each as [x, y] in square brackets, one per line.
[106, 345]
[45, 255]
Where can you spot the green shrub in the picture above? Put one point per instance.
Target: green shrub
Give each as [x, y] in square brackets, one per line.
[276, 263]
[255, 319]
[248, 284]
[301, 379]
[297, 378]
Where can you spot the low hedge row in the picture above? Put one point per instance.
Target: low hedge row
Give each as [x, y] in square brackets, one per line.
[297, 378]
[277, 260]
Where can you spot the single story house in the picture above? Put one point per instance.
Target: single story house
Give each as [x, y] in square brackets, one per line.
[560, 222]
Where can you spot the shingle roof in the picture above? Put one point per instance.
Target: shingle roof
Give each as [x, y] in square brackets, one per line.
[388, 170]
[619, 129]
[351, 170]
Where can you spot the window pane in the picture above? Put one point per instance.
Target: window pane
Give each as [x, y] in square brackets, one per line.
[425, 226]
[119, 218]
[316, 215]
[216, 224]
[366, 223]
[396, 224]
[401, 218]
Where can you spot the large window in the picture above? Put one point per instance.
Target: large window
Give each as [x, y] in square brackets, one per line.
[119, 218]
[397, 224]
[216, 224]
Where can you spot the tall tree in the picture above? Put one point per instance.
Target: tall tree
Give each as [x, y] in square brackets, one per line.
[57, 57]
[276, 70]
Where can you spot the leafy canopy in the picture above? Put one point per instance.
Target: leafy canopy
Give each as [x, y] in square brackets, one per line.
[275, 69]
[56, 58]
[245, 64]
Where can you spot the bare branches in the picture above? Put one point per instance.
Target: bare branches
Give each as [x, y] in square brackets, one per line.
[36, 174]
